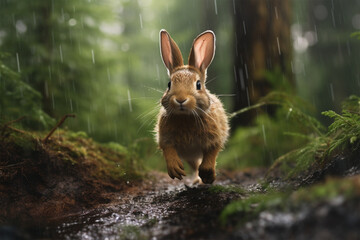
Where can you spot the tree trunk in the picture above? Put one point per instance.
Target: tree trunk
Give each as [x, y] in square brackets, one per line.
[262, 44]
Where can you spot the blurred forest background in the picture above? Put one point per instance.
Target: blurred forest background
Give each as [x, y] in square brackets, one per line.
[99, 59]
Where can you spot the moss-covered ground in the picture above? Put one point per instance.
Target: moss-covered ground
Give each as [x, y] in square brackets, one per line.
[66, 174]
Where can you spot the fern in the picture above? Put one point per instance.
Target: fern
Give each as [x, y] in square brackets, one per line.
[344, 131]
[294, 107]
[343, 134]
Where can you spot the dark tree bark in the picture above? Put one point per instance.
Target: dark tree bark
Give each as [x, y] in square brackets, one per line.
[262, 43]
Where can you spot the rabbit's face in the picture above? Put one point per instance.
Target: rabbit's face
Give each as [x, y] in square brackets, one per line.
[186, 93]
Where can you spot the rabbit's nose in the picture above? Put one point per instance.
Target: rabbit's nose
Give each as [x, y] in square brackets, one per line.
[181, 101]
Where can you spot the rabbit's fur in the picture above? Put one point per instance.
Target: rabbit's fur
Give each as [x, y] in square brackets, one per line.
[192, 124]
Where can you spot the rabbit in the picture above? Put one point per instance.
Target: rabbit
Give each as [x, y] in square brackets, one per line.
[192, 124]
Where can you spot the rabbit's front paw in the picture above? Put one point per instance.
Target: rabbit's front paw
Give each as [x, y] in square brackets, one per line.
[175, 169]
[207, 175]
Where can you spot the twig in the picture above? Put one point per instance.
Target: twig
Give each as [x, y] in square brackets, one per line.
[7, 125]
[14, 121]
[16, 130]
[241, 111]
[57, 125]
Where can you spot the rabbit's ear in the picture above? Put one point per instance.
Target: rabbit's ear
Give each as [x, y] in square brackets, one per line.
[170, 52]
[202, 51]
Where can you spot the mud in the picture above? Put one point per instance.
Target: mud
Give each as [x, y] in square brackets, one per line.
[45, 197]
[161, 208]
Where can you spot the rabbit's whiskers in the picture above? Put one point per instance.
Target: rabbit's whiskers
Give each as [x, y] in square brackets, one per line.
[150, 120]
[198, 119]
[207, 114]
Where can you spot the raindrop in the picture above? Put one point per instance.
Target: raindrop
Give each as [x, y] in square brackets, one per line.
[18, 62]
[332, 92]
[264, 134]
[244, 26]
[215, 5]
[235, 77]
[333, 17]
[61, 54]
[278, 45]
[234, 7]
[129, 99]
[141, 21]
[246, 71]
[276, 13]
[93, 56]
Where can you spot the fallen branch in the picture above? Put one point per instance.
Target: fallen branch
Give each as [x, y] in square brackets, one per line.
[58, 125]
[14, 121]
[7, 125]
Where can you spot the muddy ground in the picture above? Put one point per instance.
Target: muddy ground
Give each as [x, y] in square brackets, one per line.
[73, 188]
[161, 208]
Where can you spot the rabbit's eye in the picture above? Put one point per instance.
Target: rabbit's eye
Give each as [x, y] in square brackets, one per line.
[198, 85]
[169, 85]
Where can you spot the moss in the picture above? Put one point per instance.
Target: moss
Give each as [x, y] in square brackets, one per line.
[226, 189]
[347, 187]
[116, 147]
[248, 208]
[105, 162]
[75, 135]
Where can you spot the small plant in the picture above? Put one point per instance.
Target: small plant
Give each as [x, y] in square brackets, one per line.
[345, 130]
[342, 135]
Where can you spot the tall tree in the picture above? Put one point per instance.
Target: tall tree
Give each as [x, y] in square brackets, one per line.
[262, 45]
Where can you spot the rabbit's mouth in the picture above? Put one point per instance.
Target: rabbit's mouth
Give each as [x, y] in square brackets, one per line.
[183, 109]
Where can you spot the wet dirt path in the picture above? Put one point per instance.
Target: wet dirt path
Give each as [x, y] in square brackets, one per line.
[161, 209]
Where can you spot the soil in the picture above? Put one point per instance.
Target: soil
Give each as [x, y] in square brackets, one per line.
[162, 208]
[45, 197]
[158, 208]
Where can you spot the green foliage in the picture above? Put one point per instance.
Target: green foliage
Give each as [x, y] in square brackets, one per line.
[355, 35]
[271, 137]
[19, 99]
[342, 135]
[345, 130]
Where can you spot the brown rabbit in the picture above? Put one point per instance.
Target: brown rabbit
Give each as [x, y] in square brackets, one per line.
[192, 124]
